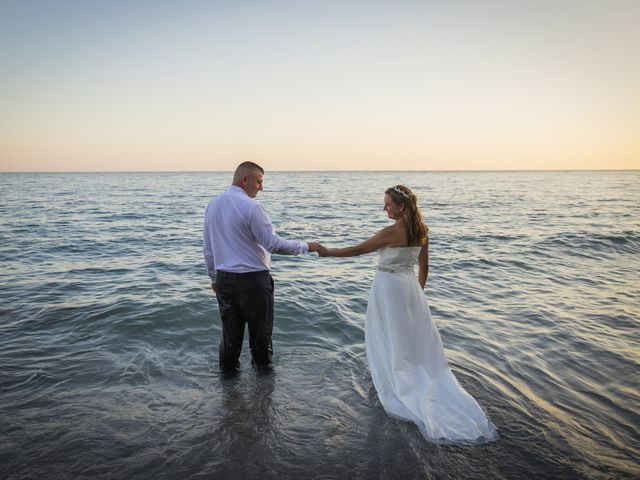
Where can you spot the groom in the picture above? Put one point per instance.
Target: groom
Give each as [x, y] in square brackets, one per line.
[237, 242]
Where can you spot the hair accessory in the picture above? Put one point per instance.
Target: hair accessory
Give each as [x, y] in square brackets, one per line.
[401, 192]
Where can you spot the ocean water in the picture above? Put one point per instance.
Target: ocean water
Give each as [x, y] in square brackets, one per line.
[109, 329]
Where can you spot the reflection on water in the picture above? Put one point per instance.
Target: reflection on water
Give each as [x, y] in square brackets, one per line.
[247, 426]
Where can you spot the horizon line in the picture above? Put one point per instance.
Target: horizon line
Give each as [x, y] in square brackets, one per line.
[333, 171]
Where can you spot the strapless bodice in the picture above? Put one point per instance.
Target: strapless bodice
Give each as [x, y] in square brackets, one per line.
[398, 259]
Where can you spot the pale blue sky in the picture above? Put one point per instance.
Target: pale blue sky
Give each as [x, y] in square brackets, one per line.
[197, 85]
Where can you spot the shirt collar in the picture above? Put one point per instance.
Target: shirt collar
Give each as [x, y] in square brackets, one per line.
[236, 189]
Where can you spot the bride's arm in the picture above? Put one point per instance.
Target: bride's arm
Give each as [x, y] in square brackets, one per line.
[381, 239]
[423, 264]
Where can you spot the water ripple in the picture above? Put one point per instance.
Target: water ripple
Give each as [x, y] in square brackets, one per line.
[109, 329]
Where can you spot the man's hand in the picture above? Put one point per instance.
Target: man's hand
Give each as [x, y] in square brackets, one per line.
[323, 251]
[314, 246]
[214, 287]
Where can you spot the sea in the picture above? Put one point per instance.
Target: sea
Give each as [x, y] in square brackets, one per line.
[109, 329]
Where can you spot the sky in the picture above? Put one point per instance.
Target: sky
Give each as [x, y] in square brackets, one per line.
[319, 85]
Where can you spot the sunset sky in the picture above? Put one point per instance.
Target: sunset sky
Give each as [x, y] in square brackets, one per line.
[319, 85]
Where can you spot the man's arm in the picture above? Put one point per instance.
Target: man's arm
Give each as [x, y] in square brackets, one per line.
[261, 227]
[208, 251]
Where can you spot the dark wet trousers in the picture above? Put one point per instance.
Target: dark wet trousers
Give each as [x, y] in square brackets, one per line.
[245, 298]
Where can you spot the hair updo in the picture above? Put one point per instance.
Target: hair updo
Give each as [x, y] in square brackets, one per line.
[417, 231]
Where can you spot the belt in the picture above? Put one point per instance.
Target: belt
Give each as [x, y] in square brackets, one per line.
[223, 274]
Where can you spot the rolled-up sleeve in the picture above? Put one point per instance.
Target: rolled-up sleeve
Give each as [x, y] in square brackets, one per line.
[261, 227]
[207, 248]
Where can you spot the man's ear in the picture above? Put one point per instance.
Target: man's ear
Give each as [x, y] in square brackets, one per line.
[245, 181]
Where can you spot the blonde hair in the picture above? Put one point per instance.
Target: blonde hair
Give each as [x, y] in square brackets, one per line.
[417, 231]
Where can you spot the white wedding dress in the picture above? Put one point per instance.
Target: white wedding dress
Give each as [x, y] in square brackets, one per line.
[406, 358]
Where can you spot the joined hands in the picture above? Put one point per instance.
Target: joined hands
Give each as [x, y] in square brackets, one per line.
[318, 247]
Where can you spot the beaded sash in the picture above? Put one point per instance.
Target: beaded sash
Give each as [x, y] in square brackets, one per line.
[395, 269]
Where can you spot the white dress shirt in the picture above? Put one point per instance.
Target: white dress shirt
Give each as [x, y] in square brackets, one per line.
[238, 235]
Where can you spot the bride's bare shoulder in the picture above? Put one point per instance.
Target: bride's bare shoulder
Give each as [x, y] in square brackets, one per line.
[388, 232]
[395, 235]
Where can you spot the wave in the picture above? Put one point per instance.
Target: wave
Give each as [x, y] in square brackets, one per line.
[589, 243]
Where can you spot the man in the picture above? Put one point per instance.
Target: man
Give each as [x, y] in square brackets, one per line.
[238, 240]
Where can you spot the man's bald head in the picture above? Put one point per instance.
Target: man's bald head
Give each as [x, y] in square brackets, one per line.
[249, 176]
[244, 170]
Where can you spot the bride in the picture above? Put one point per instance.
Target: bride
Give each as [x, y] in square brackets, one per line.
[405, 354]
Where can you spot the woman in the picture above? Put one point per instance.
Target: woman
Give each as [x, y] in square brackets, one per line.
[404, 350]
